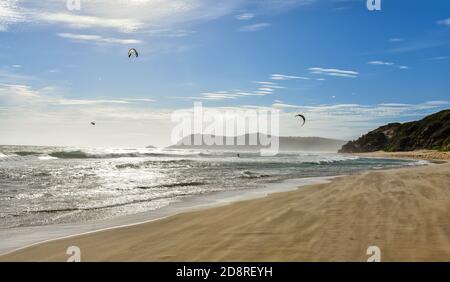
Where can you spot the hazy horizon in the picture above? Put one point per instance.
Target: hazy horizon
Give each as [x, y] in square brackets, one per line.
[166, 146]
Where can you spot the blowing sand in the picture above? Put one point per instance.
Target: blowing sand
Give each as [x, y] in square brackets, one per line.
[405, 212]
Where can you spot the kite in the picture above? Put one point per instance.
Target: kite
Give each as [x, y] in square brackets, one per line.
[132, 52]
[303, 117]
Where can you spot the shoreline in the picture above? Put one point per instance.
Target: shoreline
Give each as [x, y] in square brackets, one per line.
[176, 249]
[427, 155]
[48, 233]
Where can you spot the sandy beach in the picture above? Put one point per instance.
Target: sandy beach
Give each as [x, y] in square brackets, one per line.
[419, 154]
[405, 212]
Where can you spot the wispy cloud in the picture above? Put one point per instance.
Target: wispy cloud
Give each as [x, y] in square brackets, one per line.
[222, 95]
[439, 58]
[218, 96]
[119, 15]
[46, 96]
[417, 45]
[263, 88]
[9, 14]
[269, 85]
[169, 32]
[86, 102]
[136, 15]
[227, 95]
[281, 105]
[265, 82]
[334, 72]
[278, 76]
[100, 101]
[394, 40]
[140, 100]
[98, 39]
[8, 75]
[245, 16]
[254, 27]
[382, 63]
[81, 102]
[17, 91]
[369, 111]
[126, 16]
[80, 21]
[444, 22]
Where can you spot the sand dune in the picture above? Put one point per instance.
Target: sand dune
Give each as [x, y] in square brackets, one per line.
[405, 212]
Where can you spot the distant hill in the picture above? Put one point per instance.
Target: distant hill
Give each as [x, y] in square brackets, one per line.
[286, 144]
[432, 132]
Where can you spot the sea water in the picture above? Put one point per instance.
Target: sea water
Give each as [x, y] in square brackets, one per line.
[61, 186]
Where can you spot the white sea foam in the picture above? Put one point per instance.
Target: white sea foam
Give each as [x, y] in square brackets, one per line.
[47, 158]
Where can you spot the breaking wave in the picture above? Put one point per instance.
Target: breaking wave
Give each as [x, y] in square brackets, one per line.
[85, 155]
[136, 201]
[249, 174]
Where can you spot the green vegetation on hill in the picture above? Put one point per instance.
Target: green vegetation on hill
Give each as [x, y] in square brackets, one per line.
[432, 132]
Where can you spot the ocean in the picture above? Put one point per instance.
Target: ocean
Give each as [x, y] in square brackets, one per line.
[62, 186]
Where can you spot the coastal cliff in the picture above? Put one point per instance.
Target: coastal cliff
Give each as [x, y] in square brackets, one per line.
[432, 132]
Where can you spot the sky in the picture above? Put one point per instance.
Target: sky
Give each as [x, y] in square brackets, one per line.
[346, 68]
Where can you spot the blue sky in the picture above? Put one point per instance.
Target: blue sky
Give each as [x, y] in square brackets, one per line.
[346, 68]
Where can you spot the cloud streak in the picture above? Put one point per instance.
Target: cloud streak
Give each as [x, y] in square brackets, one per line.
[382, 63]
[24, 94]
[137, 15]
[444, 22]
[98, 39]
[245, 16]
[9, 14]
[80, 22]
[334, 72]
[278, 76]
[396, 39]
[263, 88]
[382, 110]
[17, 91]
[254, 27]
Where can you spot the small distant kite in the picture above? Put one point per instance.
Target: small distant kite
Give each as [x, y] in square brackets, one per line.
[302, 117]
[92, 122]
[133, 52]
